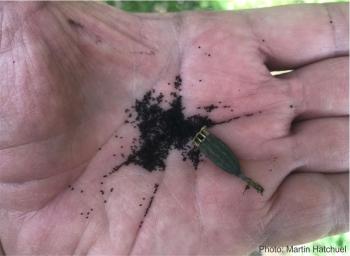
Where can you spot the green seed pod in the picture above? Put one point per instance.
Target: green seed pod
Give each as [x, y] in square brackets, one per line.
[222, 156]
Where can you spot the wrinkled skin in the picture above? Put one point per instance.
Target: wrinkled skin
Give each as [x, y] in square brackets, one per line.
[68, 71]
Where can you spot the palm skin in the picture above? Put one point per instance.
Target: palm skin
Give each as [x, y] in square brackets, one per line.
[72, 70]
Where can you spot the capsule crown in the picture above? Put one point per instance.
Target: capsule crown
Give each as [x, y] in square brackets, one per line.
[200, 136]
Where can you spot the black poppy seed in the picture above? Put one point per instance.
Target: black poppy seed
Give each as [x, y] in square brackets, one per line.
[104, 176]
[291, 106]
[87, 217]
[120, 137]
[81, 191]
[121, 146]
[126, 121]
[199, 47]
[143, 198]
[263, 40]
[200, 80]
[210, 108]
[156, 185]
[91, 209]
[111, 189]
[250, 114]
[331, 21]
[260, 112]
[101, 183]
[71, 188]
[105, 201]
[209, 55]
[114, 154]
[99, 148]
[219, 102]
[130, 115]
[81, 213]
[122, 155]
[102, 192]
[162, 130]
[126, 110]
[88, 213]
[140, 204]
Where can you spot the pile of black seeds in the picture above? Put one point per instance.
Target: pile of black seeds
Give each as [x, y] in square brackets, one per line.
[162, 130]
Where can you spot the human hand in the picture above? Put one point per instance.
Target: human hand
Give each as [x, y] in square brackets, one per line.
[69, 71]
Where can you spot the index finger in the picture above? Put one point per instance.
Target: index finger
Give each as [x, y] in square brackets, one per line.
[295, 35]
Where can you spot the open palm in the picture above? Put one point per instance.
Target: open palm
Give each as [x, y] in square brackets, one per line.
[69, 72]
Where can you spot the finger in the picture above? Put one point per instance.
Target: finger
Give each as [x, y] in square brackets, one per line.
[320, 89]
[307, 207]
[321, 145]
[315, 146]
[292, 36]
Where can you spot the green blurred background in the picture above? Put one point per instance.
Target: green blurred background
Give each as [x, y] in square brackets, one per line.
[219, 5]
[216, 5]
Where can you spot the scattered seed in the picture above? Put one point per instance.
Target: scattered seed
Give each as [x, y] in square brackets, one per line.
[111, 189]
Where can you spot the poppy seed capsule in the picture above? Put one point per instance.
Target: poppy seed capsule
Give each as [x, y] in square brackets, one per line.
[222, 156]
